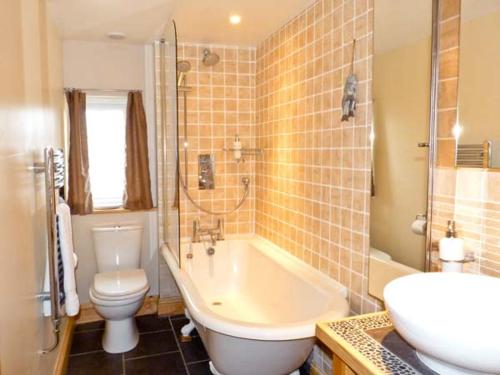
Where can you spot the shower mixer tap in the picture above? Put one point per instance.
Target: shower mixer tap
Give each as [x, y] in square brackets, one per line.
[215, 233]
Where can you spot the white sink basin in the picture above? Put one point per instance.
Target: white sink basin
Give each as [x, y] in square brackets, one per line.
[452, 319]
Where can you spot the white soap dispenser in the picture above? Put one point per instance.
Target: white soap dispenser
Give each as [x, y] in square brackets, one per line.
[451, 250]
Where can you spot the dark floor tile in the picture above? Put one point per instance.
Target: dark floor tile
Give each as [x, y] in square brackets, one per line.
[179, 323]
[199, 368]
[90, 326]
[179, 316]
[154, 343]
[164, 364]
[151, 323]
[88, 341]
[99, 363]
[194, 350]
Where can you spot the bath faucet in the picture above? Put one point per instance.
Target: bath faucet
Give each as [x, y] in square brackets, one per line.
[215, 233]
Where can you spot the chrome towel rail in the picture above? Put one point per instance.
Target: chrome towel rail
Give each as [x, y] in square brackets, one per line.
[474, 155]
[53, 168]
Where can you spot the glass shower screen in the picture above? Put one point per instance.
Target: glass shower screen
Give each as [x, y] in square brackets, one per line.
[166, 58]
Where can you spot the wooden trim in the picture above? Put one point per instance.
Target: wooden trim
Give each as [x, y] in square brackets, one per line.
[119, 210]
[348, 355]
[339, 367]
[170, 306]
[65, 346]
[152, 305]
[88, 313]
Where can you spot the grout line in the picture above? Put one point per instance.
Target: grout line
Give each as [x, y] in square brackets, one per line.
[84, 353]
[177, 317]
[155, 331]
[200, 361]
[123, 364]
[150, 355]
[179, 347]
[88, 330]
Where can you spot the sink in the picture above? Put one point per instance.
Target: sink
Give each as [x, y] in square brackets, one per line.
[451, 319]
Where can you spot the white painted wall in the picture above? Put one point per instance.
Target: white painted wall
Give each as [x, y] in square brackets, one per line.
[103, 65]
[99, 65]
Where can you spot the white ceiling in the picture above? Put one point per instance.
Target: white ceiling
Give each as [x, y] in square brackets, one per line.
[197, 20]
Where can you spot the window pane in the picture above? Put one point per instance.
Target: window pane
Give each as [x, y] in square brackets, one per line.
[106, 142]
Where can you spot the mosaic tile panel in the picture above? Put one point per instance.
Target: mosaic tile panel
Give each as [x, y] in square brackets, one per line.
[353, 331]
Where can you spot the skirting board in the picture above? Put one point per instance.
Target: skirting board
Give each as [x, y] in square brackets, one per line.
[170, 306]
[152, 305]
[65, 346]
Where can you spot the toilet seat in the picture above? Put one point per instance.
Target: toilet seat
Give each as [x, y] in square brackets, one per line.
[118, 287]
[122, 301]
[119, 284]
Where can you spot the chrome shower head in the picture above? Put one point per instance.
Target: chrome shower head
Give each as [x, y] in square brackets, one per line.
[210, 58]
[183, 66]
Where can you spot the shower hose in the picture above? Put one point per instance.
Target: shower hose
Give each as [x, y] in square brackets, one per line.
[245, 181]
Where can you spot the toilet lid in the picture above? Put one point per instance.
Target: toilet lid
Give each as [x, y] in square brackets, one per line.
[120, 283]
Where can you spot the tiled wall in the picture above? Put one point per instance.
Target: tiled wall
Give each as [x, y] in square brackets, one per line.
[166, 117]
[449, 24]
[313, 181]
[220, 105]
[445, 174]
[469, 196]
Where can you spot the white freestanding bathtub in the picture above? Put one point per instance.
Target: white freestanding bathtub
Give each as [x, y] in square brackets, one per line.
[254, 305]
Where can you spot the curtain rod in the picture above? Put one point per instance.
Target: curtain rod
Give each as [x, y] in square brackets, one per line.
[102, 90]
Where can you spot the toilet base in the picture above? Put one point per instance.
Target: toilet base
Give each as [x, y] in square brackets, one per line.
[120, 335]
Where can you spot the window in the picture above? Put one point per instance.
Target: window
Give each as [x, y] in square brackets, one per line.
[106, 145]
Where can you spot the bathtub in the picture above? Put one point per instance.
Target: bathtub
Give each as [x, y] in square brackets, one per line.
[254, 305]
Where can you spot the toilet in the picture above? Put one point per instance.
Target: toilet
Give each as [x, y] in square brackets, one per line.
[120, 286]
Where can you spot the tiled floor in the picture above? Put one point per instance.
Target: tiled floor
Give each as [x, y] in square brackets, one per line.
[158, 352]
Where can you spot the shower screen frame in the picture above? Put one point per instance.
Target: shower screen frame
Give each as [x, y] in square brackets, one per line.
[169, 107]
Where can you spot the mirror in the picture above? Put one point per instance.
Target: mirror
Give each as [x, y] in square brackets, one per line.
[478, 126]
[401, 94]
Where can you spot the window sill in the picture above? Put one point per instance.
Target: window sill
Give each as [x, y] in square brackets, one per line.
[118, 210]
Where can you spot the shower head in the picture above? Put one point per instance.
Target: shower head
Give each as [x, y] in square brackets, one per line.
[210, 58]
[183, 66]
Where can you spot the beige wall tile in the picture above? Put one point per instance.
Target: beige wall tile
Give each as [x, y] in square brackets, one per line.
[312, 181]
[471, 197]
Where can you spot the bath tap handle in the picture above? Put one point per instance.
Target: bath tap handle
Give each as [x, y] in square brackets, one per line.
[220, 230]
[196, 230]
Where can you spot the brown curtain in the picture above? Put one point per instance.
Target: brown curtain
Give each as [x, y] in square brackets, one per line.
[79, 193]
[138, 185]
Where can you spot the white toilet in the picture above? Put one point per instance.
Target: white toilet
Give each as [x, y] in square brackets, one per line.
[120, 285]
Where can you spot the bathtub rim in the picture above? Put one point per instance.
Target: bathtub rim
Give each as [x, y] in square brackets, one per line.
[259, 331]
